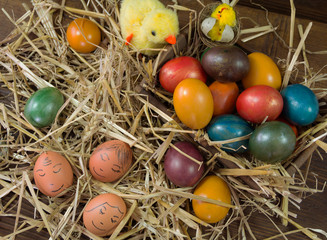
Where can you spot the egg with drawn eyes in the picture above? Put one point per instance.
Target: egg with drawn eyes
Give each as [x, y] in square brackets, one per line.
[110, 160]
[52, 173]
[103, 213]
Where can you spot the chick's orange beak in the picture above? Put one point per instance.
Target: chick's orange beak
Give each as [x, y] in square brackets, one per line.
[171, 39]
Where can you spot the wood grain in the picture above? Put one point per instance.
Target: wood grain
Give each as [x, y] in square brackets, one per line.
[312, 10]
[276, 45]
[15, 10]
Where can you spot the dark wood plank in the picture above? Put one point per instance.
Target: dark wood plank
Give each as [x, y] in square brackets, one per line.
[7, 222]
[15, 9]
[313, 10]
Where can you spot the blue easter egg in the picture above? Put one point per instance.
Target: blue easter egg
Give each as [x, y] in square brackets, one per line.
[300, 104]
[228, 126]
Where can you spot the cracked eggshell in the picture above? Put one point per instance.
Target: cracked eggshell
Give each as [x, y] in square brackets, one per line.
[208, 23]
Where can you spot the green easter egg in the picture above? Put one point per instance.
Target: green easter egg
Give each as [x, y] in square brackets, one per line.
[42, 107]
[272, 142]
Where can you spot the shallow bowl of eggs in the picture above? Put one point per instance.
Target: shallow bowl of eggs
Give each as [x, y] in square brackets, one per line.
[218, 24]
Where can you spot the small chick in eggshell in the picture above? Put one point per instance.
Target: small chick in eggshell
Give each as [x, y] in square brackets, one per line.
[208, 26]
[220, 24]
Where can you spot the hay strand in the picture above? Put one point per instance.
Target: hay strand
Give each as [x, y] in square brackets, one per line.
[113, 93]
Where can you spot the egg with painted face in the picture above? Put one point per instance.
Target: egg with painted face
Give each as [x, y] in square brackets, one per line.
[110, 160]
[103, 213]
[52, 173]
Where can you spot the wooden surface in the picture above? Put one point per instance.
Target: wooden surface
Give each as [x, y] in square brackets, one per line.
[313, 209]
[305, 9]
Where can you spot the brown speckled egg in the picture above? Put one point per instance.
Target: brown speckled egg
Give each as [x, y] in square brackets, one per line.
[52, 173]
[103, 213]
[110, 160]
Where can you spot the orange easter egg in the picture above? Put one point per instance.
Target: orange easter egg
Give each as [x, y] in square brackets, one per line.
[110, 160]
[52, 173]
[103, 213]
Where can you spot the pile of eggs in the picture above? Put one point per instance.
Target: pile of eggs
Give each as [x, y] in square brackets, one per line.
[265, 118]
[109, 161]
[242, 109]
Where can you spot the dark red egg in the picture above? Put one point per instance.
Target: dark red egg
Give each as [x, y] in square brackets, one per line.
[180, 169]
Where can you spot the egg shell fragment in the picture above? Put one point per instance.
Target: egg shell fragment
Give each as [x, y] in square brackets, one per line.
[208, 23]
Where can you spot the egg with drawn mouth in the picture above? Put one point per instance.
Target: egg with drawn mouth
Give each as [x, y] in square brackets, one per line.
[110, 160]
[52, 173]
[103, 213]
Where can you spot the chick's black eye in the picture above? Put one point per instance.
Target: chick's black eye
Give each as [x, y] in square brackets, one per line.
[153, 33]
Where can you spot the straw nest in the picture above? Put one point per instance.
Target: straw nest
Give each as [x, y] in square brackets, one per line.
[107, 97]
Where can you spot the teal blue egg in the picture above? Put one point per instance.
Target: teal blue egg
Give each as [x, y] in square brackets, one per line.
[229, 126]
[301, 106]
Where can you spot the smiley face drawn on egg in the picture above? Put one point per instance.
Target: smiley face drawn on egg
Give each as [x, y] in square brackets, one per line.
[110, 160]
[54, 169]
[113, 213]
[103, 214]
[122, 157]
[52, 173]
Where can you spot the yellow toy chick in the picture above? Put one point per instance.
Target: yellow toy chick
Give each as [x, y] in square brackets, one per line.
[148, 24]
[224, 15]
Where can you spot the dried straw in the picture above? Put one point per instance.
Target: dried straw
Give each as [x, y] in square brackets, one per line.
[112, 94]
